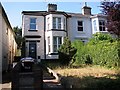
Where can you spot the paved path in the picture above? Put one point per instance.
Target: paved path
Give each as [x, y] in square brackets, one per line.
[30, 80]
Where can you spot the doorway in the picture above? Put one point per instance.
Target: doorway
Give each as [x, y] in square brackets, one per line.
[32, 49]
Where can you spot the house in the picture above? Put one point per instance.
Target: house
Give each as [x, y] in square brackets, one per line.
[44, 31]
[8, 46]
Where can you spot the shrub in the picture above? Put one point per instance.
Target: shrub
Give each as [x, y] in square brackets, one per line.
[98, 51]
[66, 52]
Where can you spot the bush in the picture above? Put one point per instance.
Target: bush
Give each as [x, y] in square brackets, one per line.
[98, 51]
[66, 52]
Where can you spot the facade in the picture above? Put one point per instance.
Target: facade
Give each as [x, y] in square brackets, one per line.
[8, 46]
[44, 31]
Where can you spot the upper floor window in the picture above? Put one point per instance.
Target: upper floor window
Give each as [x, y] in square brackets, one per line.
[80, 25]
[95, 26]
[56, 23]
[101, 25]
[48, 23]
[32, 23]
[57, 41]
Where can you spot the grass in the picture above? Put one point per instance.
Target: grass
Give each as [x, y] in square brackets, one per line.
[89, 77]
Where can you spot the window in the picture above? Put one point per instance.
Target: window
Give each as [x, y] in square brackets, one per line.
[56, 23]
[6, 30]
[32, 23]
[48, 44]
[102, 25]
[48, 22]
[80, 25]
[64, 24]
[95, 27]
[57, 41]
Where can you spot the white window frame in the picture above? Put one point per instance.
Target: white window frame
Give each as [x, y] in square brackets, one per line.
[95, 25]
[102, 25]
[56, 23]
[32, 23]
[57, 43]
[49, 49]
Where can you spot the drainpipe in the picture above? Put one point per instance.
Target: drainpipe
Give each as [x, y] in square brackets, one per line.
[44, 37]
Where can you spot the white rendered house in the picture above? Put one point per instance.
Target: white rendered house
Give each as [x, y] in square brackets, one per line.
[44, 31]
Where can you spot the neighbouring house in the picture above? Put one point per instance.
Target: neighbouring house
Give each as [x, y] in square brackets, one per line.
[8, 46]
[44, 31]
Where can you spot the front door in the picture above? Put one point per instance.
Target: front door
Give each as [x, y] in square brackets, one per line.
[32, 49]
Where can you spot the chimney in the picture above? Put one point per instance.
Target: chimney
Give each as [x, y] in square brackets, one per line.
[86, 10]
[52, 7]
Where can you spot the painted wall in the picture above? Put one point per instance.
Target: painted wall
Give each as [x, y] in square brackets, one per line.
[73, 32]
[0, 41]
[39, 32]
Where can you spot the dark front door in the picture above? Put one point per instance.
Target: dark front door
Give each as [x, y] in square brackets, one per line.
[32, 49]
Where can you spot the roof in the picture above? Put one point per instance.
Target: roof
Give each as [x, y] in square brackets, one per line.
[43, 13]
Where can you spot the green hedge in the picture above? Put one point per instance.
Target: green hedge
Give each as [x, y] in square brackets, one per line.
[100, 50]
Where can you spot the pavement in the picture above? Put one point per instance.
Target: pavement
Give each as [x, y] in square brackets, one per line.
[49, 81]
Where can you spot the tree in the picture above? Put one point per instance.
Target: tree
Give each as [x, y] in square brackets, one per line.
[66, 52]
[18, 36]
[112, 10]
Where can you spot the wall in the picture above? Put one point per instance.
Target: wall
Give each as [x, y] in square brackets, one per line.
[39, 32]
[0, 42]
[73, 30]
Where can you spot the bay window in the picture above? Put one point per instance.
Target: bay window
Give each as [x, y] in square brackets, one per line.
[101, 25]
[57, 41]
[56, 22]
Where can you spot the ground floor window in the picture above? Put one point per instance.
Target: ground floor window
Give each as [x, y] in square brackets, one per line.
[57, 41]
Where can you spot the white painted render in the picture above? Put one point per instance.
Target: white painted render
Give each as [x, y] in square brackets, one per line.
[0, 41]
[8, 46]
[70, 29]
[40, 32]
[73, 30]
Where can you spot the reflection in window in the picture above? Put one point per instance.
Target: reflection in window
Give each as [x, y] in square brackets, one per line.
[80, 25]
[32, 23]
[101, 25]
[56, 23]
[57, 41]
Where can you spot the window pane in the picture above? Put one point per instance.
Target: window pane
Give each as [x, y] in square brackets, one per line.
[59, 26]
[80, 28]
[54, 22]
[55, 40]
[80, 23]
[54, 48]
[32, 20]
[59, 23]
[33, 26]
[59, 40]
[100, 28]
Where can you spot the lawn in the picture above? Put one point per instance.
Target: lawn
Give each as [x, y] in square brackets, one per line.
[89, 77]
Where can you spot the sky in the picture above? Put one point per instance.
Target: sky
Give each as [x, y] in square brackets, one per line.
[14, 9]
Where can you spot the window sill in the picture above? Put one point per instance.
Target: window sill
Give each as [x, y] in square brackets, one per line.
[33, 30]
[53, 54]
[82, 32]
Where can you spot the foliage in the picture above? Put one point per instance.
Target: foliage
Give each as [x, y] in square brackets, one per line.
[18, 36]
[100, 50]
[66, 52]
[112, 10]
